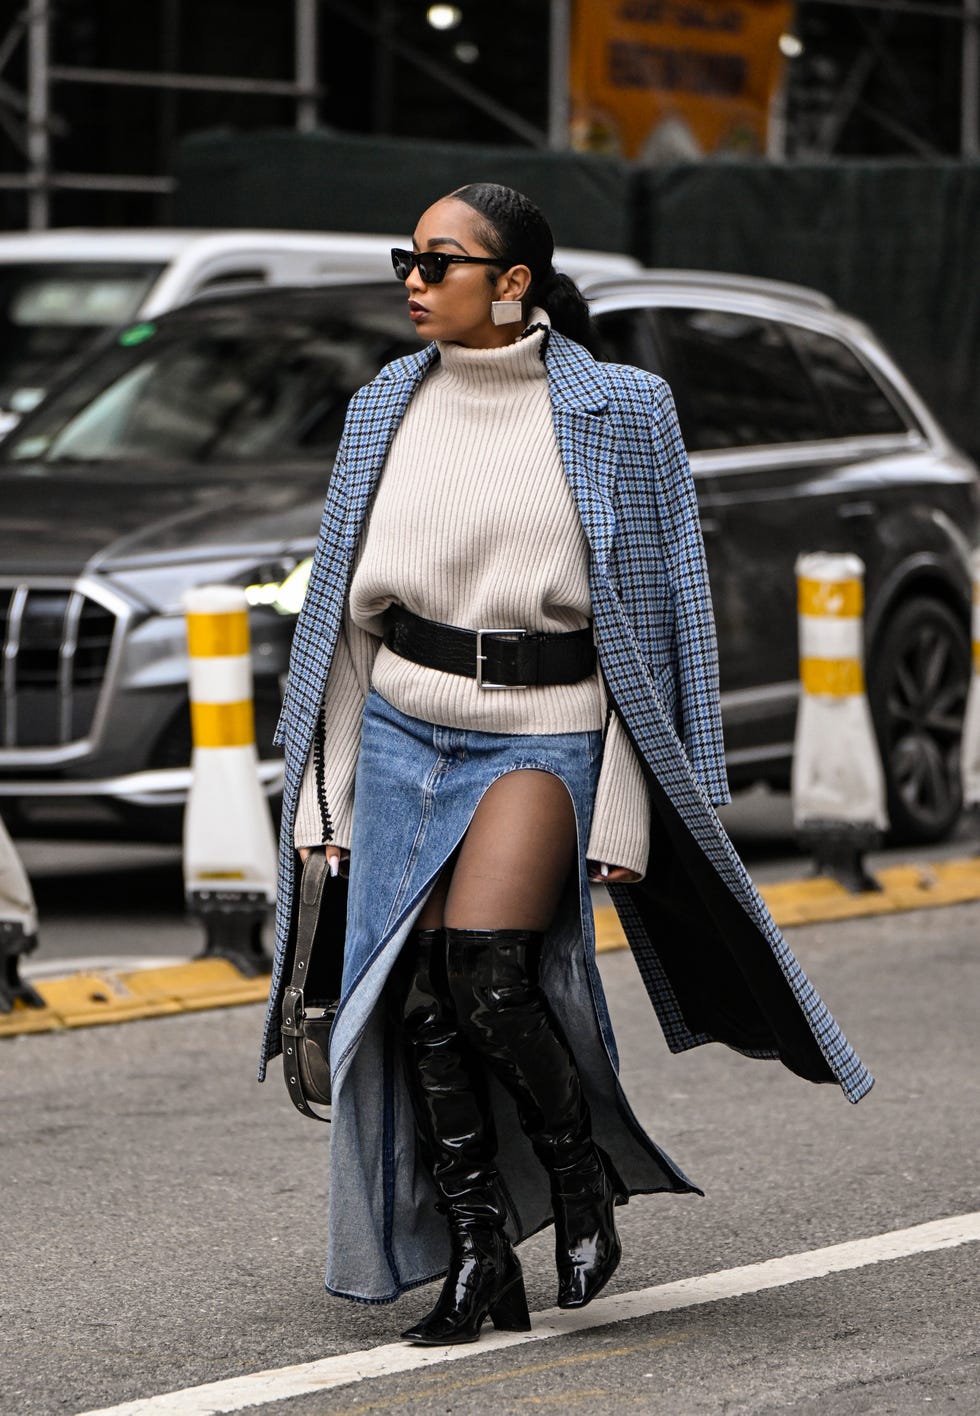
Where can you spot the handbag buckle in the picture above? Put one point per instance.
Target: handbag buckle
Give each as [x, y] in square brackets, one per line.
[481, 635]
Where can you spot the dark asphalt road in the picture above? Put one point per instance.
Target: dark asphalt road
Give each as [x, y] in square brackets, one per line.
[163, 1217]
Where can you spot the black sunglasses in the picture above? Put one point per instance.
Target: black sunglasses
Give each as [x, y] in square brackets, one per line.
[433, 264]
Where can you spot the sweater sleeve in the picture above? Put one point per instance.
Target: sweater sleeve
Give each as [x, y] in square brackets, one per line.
[620, 832]
[343, 701]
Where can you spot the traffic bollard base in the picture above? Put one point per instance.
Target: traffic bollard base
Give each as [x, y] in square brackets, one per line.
[838, 849]
[15, 942]
[971, 818]
[233, 923]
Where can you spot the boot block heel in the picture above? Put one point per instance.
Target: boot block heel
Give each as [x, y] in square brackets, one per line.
[510, 1312]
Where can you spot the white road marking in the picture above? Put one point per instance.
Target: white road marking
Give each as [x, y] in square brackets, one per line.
[282, 1383]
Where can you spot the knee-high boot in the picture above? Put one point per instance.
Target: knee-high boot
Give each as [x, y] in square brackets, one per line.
[493, 979]
[447, 1084]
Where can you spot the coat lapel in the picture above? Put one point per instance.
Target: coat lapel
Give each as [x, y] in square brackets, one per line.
[580, 408]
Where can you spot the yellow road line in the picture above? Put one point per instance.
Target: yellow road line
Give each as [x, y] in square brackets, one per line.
[576, 1359]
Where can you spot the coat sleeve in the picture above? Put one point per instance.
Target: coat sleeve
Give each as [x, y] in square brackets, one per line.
[325, 810]
[699, 707]
[620, 832]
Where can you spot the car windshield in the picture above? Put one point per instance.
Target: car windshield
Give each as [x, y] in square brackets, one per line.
[236, 385]
[52, 311]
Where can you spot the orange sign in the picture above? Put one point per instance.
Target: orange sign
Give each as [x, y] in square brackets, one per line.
[661, 78]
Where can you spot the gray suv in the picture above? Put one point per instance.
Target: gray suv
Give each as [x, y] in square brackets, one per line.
[197, 447]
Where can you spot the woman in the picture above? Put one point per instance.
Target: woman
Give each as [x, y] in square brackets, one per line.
[505, 511]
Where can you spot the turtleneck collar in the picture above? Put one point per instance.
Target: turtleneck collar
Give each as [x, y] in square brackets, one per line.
[524, 359]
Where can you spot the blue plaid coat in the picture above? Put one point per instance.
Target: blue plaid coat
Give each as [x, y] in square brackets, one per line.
[713, 961]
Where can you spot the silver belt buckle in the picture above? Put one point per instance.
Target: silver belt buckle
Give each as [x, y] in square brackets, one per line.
[481, 634]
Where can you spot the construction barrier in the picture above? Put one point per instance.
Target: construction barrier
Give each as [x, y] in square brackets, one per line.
[18, 926]
[229, 843]
[838, 786]
[970, 757]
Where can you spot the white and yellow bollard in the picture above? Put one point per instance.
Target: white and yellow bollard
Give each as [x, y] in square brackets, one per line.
[838, 784]
[229, 843]
[18, 926]
[970, 755]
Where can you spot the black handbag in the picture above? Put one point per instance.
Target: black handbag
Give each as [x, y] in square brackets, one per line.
[306, 1036]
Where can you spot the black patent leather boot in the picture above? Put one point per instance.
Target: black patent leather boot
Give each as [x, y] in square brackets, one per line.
[447, 1084]
[587, 1245]
[493, 978]
[484, 1281]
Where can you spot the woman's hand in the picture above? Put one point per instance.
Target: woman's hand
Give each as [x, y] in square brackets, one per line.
[602, 874]
[338, 859]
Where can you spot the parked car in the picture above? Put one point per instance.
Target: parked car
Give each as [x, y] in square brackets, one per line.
[197, 449]
[60, 290]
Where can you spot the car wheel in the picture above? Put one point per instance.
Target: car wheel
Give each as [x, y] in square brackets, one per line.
[917, 687]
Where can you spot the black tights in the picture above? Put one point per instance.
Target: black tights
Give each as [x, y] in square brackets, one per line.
[511, 867]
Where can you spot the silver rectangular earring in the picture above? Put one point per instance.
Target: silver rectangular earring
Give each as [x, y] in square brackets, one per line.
[506, 311]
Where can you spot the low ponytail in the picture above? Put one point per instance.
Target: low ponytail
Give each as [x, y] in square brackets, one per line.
[567, 309]
[516, 230]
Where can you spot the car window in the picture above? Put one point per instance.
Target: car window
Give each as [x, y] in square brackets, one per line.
[207, 394]
[50, 311]
[739, 379]
[626, 337]
[630, 337]
[858, 405]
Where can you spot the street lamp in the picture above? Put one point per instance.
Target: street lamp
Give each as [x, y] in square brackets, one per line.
[444, 17]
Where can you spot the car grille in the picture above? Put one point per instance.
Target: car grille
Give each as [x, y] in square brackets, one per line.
[56, 644]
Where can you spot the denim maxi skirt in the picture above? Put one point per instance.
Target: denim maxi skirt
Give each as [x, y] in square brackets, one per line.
[416, 789]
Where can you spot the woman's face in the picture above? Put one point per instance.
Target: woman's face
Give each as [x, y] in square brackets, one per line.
[457, 309]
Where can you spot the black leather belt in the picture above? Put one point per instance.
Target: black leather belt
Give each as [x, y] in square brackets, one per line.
[496, 658]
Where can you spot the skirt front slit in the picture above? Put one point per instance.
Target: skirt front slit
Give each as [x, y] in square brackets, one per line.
[417, 788]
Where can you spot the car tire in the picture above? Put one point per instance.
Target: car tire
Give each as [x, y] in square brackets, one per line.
[917, 685]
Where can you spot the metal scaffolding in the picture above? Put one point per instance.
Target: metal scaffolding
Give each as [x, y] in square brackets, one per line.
[879, 51]
[31, 124]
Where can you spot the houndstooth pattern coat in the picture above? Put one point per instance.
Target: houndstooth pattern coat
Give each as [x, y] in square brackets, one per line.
[713, 961]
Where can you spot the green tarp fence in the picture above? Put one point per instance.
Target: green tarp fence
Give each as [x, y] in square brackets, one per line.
[893, 242]
[342, 182]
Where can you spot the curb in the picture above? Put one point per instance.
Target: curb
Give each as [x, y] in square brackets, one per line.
[820, 899]
[84, 1000]
[87, 999]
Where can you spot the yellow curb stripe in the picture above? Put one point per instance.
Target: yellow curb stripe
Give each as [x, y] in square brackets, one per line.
[839, 598]
[86, 999]
[834, 678]
[223, 724]
[216, 635]
[608, 930]
[823, 900]
[200, 983]
[903, 887]
[22, 1019]
[976, 656]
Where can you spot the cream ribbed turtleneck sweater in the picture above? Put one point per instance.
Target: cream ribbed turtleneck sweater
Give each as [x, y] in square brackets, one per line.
[473, 524]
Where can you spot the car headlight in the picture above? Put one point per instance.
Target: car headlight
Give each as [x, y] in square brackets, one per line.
[278, 582]
[283, 593]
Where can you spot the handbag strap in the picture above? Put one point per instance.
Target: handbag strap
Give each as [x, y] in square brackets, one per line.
[311, 883]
